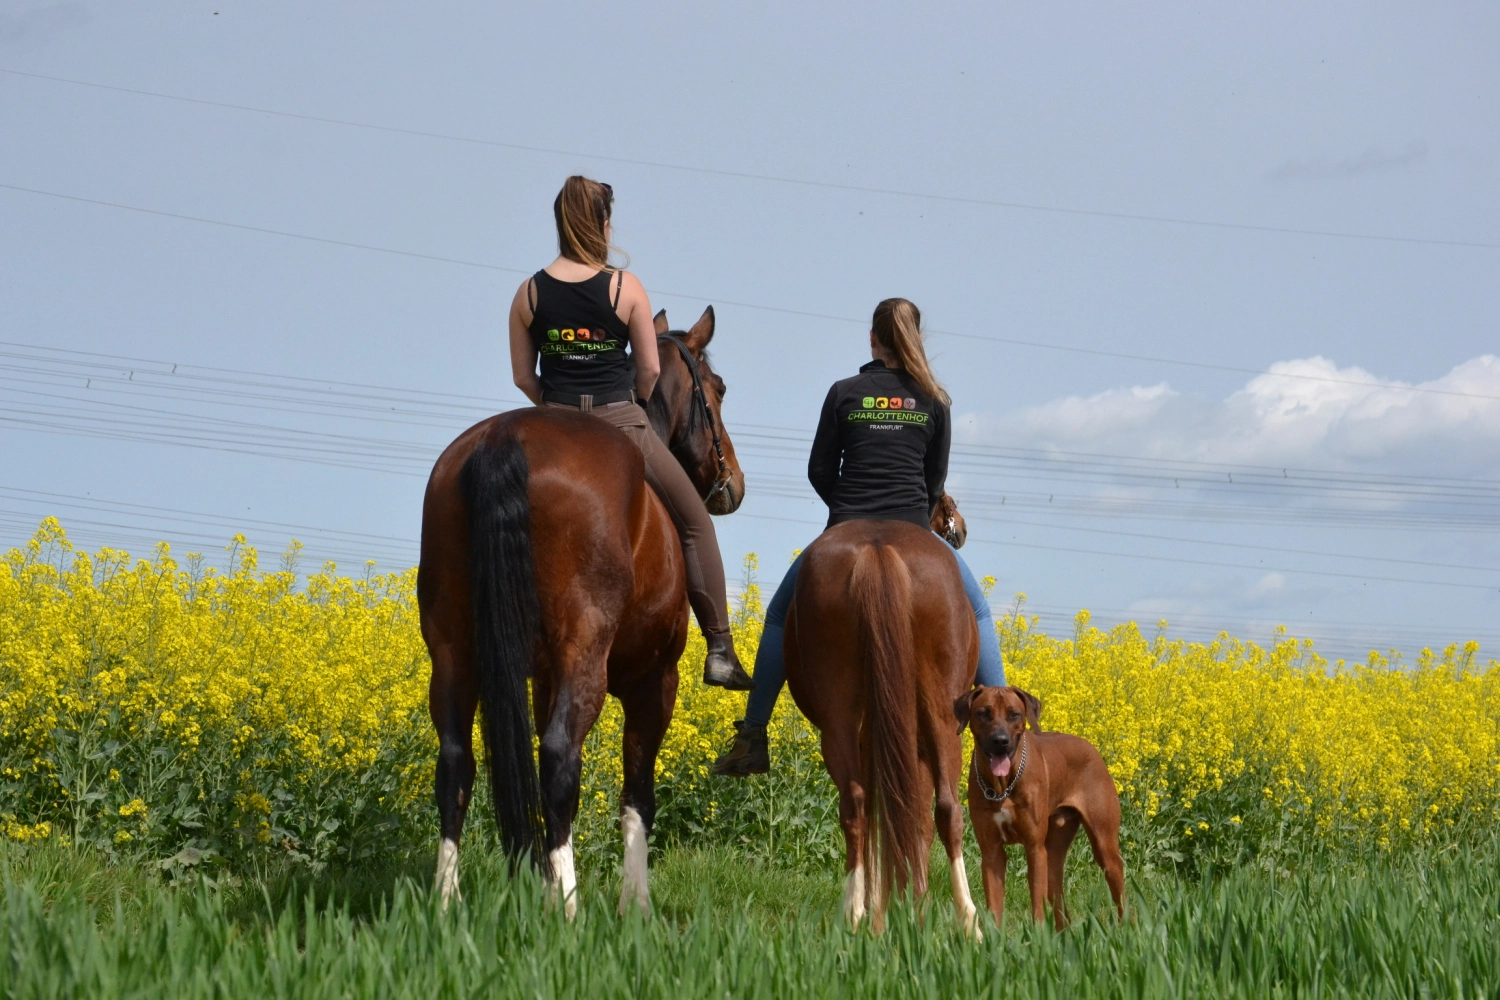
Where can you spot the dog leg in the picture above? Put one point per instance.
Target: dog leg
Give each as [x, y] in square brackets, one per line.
[1036, 879]
[992, 859]
[1061, 829]
[1106, 845]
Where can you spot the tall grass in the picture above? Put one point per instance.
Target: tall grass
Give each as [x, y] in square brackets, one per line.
[1412, 926]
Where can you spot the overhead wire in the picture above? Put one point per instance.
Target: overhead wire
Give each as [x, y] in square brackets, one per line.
[1013, 341]
[772, 178]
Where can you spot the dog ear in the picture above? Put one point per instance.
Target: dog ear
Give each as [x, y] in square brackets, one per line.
[1033, 708]
[961, 708]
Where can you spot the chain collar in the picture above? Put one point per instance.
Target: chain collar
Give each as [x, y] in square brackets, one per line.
[984, 786]
[721, 482]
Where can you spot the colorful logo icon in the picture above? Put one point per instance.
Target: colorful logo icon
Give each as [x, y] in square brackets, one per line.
[583, 333]
[552, 334]
[895, 402]
[882, 403]
[869, 402]
[911, 404]
[567, 335]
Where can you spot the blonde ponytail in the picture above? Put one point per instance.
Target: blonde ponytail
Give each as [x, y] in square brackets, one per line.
[898, 328]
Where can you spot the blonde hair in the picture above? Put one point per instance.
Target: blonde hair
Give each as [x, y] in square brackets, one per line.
[582, 209]
[897, 327]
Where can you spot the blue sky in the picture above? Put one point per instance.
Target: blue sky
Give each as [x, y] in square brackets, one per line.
[1230, 425]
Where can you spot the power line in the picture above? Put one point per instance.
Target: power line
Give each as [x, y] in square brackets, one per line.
[1174, 559]
[261, 229]
[981, 461]
[807, 314]
[775, 178]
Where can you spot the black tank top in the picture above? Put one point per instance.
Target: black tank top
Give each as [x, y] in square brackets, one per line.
[579, 336]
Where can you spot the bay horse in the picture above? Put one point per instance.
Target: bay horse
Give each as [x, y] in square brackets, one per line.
[880, 641]
[546, 558]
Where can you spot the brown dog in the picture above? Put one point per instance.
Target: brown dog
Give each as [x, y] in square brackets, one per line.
[1034, 789]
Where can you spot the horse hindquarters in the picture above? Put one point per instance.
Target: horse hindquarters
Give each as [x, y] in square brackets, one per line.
[878, 644]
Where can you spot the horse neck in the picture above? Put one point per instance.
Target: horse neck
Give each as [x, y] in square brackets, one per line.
[671, 402]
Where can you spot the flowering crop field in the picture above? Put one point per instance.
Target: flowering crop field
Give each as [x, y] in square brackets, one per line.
[218, 784]
[181, 715]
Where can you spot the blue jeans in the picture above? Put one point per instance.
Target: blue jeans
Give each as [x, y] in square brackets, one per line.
[770, 665]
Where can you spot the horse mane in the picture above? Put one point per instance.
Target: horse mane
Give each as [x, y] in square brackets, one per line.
[658, 410]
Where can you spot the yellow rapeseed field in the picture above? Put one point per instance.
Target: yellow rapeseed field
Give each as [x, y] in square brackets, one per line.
[186, 715]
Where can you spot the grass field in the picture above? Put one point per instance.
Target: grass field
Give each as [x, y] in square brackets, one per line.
[73, 926]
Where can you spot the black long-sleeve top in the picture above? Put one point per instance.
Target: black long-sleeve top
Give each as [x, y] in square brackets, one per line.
[881, 450]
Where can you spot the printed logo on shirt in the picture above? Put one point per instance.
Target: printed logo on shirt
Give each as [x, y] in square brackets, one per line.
[889, 410]
[581, 341]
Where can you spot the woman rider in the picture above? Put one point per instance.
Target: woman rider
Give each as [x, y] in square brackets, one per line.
[880, 453]
[578, 314]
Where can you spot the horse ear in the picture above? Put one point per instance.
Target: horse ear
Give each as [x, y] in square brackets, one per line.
[961, 708]
[702, 332]
[1033, 708]
[660, 322]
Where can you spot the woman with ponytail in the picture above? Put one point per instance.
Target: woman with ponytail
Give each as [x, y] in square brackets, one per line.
[578, 315]
[880, 453]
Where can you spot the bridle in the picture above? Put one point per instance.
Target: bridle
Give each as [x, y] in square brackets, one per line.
[721, 482]
[950, 531]
[984, 786]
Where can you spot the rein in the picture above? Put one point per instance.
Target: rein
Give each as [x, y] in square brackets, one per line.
[721, 483]
[984, 786]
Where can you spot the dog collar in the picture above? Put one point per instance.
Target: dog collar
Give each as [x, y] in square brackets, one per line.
[984, 786]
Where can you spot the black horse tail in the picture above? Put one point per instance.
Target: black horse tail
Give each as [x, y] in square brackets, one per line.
[507, 623]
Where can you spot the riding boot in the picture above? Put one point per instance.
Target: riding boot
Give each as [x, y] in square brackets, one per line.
[721, 667]
[751, 753]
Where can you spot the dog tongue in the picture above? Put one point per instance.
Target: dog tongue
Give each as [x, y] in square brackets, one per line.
[999, 766]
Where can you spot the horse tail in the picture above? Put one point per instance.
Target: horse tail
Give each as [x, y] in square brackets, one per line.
[507, 624]
[881, 588]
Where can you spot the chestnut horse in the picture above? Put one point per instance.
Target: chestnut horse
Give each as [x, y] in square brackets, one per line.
[879, 643]
[547, 558]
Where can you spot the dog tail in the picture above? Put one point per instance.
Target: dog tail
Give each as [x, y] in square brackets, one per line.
[881, 588]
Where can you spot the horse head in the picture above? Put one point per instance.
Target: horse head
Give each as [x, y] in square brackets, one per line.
[685, 408]
[948, 522]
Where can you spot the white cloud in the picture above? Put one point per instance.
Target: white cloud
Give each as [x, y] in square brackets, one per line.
[1306, 413]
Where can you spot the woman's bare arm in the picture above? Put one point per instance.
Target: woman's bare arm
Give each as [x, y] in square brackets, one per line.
[522, 351]
[642, 335]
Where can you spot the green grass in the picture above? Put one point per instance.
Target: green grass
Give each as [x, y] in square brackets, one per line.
[1418, 925]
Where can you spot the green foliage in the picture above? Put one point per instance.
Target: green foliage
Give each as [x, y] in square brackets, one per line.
[1424, 924]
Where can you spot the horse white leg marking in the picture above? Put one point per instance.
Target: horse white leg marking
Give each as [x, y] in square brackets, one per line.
[854, 896]
[446, 881]
[633, 887]
[564, 879]
[963, 900]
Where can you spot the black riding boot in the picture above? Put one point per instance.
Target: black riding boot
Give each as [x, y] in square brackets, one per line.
[721, 667]
[751, 753]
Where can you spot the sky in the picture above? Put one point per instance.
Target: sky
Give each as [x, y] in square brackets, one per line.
[1213, 287]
